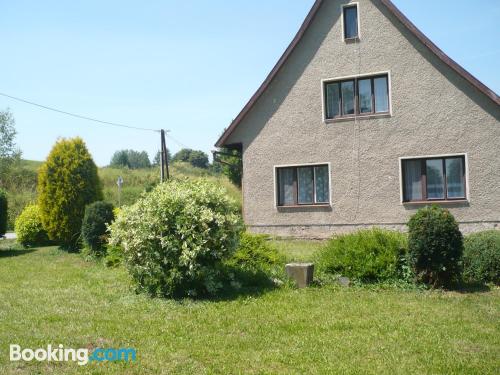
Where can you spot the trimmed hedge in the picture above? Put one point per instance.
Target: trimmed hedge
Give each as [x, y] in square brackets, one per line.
[94, 237]
[435, 246]
[29, 228]
[481, 259]
[367, 255]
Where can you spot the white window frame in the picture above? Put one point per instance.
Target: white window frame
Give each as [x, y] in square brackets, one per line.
[355, 116]
[467, 186]
[275, 182]
[349, 5]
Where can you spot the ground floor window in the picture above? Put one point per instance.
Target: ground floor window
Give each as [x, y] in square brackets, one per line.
[303, 185]
[434, 178]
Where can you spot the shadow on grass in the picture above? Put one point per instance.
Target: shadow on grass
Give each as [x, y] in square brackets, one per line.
[241, 284]
[231, 294]
[14, 253]
[466, 288]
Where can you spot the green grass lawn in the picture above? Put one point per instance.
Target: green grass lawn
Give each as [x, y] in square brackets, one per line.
[48, 296]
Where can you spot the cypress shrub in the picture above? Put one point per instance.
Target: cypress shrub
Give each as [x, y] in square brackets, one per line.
[67, 182]
[3, 212]
[97, 215]
[435, 246]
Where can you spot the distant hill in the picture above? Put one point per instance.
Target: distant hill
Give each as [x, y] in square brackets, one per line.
[135, 181]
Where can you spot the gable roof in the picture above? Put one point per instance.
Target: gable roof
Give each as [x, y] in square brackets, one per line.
[305, 25]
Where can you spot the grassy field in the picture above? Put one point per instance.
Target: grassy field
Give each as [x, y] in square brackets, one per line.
[50, 296]
[23, 190]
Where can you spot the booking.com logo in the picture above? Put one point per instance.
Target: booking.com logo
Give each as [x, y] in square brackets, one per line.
[62, 354]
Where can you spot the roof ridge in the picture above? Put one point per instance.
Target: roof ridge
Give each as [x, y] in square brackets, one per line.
[303, 28]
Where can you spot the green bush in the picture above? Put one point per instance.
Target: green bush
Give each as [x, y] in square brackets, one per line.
[176, 238]
[367, 255]
[114, 256]
[255, 261]
[29, 228]
[481, 259]
[67, 182]
[94, 237]
[435, 245]
[3, 212]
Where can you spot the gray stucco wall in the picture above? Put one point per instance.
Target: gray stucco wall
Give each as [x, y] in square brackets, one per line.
[435, 112]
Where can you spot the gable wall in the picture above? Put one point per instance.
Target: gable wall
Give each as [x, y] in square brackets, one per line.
[434, 112]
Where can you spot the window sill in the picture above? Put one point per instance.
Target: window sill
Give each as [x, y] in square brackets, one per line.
[357, 117]
[326, 205]
[351, 40]
[449, 201]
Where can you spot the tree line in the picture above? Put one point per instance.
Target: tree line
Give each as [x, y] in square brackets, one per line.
[139, 159]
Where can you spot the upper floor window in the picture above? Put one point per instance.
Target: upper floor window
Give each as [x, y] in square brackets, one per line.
[434, 178]
[303, 185]
[357, 96]
[351, 26]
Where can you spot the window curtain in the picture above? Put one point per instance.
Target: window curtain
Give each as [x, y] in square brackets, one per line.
[455, 178]
[435, 178]
[412, 180]
[381, 95]
[306, 185]
[365, 95]
[285, 178]
[347, 88]
[332, 100]
[322, 184]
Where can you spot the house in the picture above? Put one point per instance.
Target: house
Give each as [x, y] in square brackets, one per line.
[362, 121]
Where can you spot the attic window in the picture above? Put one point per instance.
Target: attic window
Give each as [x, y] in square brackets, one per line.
[351, 27]
[357, 96]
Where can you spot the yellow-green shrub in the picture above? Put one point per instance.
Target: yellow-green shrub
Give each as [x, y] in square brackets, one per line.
[67, 182]
[29, 228]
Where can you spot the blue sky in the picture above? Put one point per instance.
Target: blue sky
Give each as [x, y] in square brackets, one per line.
[187, 66]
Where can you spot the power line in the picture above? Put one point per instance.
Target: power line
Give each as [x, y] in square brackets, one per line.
[176, 141]
[78, 116]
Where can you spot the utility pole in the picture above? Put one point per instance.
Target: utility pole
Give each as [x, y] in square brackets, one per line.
[164, 158]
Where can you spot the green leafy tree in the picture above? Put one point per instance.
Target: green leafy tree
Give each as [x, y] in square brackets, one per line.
[196, 158]
[119, 159]
[229, 164]
[67, 182]
[138, 160]
[157, 158]
[182, 155]
[130, 159]
[9, 154]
